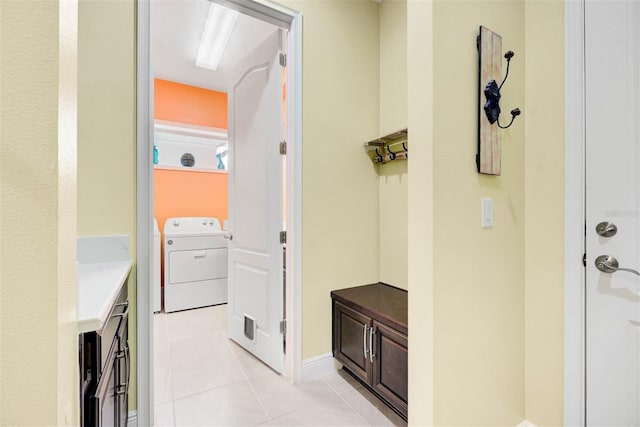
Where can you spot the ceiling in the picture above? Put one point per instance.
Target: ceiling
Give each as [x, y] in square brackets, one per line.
[177, 27]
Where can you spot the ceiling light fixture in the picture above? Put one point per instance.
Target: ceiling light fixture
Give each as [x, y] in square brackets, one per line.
[217, 32]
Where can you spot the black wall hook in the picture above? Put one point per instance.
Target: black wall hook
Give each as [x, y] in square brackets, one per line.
[392, 155]
[379, 158]
[492, 94]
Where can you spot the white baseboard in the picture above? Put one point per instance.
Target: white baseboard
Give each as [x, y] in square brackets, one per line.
[526, 423]
[317, 366]
[132, 419]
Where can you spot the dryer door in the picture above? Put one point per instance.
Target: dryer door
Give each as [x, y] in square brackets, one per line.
[198, 264]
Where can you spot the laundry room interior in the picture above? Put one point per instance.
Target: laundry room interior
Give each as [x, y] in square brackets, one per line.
[197, 191]
[191, 196]
[192, 121]
[190, 179]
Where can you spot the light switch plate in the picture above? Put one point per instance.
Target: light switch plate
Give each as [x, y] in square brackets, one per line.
[487, 212]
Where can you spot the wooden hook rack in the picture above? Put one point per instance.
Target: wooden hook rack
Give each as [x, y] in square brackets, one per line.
[394, 146]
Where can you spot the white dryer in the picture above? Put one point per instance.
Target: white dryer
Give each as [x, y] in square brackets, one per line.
[195, 263]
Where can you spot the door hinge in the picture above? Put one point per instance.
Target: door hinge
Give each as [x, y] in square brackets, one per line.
[283, 237]
[584, 260]
[283, 326]
[283, 59]
[283, 147]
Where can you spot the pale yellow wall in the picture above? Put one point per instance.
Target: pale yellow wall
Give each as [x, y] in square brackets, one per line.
[107, 131]
[393, 187]
[339, 186]
[420, 201]
[544, 171]
[68, 373]
[476, 277]
[393, 176]
[38, 355]
[393, 65]
[478, 273]
[497, 344]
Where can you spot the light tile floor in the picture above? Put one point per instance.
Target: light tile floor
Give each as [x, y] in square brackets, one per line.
[204, 379]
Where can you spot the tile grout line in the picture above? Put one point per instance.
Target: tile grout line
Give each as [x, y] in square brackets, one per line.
[155, 365]
[173, 398]
[168, 349]
[173, 401]
[246, 378]
[250, 384]
[345, 401]
[213, 388]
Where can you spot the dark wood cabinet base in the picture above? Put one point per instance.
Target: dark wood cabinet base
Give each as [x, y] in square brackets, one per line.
[394, 408]
[370, 340]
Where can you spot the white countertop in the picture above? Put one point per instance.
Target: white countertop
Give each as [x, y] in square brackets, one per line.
[99, 284]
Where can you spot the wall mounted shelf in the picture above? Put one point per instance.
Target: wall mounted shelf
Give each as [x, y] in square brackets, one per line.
[177, 143]
[394, 146]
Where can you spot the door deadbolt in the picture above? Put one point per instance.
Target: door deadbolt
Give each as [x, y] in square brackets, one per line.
[606, 229]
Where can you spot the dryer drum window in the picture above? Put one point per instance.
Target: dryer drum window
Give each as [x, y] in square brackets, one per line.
[187, 160]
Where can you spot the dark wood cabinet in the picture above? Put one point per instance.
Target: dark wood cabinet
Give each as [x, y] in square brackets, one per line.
[105, 369]
[350, 340]
[370, 339]
[390, 374]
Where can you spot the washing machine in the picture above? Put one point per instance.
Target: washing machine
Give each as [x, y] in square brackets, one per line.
[195, 263]
[156, 287]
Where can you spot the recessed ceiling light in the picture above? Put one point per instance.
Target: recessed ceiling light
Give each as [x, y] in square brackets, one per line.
[217, 32]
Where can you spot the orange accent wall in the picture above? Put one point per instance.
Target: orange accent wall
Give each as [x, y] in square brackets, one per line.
[188, 193]
[181, 193]
[177, 102]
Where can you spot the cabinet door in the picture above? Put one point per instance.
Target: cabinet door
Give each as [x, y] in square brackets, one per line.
[390, 375]
[351, 340]
[123, 374]
[102, 403]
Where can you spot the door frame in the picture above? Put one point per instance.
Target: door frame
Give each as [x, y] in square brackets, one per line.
[283, 17]
[575, 193]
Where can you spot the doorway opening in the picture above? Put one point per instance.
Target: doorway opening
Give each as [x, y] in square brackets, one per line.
[282, 21]
[602, 378]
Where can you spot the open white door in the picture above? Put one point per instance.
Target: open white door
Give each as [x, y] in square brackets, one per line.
[255, 205]
[613, 200]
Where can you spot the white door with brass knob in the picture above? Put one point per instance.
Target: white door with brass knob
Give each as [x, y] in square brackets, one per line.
[612, 288]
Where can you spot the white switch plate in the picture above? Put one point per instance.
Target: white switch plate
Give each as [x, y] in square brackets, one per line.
[487, 212]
